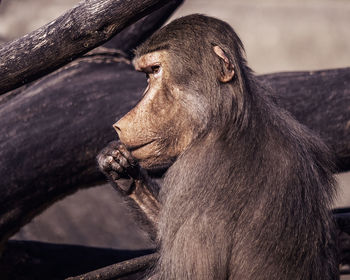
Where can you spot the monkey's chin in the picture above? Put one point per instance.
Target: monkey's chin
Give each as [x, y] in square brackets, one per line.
[153, 165]
[142, 152]
[145, 155]
[149, 158]
[150, 161]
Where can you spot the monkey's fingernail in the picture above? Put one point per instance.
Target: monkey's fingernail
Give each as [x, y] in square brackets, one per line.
[115, 153]
[116, 166]
[108, 159]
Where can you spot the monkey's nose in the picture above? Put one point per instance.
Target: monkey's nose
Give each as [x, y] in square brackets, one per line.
[117, 128]
[122, 127]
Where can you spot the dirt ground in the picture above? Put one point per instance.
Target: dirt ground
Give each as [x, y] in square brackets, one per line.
[278, 36]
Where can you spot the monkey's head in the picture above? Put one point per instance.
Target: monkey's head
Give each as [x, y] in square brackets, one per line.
[195, 79]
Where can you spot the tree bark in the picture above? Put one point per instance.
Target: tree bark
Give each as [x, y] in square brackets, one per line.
[79, 30]
[119, 270]
[53, 106]
[28, 260]
[52, 130]
[132, 36]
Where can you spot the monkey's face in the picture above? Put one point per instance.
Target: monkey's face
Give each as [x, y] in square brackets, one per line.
[159, 127]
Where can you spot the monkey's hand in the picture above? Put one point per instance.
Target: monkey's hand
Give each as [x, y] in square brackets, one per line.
[116, 162]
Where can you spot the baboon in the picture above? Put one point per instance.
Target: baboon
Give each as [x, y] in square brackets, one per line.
[248, 190]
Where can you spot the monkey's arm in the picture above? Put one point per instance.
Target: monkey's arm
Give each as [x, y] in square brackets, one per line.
[133, 183]
[143, 194]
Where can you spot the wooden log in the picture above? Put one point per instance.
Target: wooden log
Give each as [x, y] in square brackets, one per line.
[119, 270]
[52, 130]
[129, 38]
[33, 260]
[79, 30]
[47, 189]
[132, 36]
[30, 260]
[342, 218]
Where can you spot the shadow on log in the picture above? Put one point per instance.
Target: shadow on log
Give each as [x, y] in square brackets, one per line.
[36, 260]
[26, 260]
[342, 217]
[52, 131]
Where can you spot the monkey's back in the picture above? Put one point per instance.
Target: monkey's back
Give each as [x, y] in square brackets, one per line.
[254, 208]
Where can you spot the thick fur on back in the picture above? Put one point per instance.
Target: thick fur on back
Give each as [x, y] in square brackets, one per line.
[249, 199]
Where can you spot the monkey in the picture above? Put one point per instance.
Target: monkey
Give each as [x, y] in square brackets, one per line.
[248, 189]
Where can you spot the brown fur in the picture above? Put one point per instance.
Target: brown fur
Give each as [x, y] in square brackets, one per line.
[249, 189]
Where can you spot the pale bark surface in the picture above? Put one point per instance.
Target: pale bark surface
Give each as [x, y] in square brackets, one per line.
[79, 30]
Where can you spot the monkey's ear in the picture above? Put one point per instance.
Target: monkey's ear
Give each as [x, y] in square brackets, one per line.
[228, 71]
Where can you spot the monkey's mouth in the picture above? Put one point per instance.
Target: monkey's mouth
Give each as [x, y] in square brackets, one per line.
[134, 148]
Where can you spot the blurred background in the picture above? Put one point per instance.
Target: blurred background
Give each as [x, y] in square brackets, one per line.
[287, 35]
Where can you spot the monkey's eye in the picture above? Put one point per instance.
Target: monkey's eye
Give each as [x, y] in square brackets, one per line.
[155, 69]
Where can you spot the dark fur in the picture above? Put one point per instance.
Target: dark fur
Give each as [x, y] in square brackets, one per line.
[250, 197]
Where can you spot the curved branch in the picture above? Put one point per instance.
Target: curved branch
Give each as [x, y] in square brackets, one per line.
[121, 269]
[76, 32]
[32, 260]
[132, 36]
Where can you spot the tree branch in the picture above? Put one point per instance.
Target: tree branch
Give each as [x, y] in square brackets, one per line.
[30, 192]
[78, 31]
[119, 269]
[32, 260]
[132, 36]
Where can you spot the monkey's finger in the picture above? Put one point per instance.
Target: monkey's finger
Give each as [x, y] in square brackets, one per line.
[120, 158]
[114, 175]
[115, 166]
[133, 169]
[126, 153]
[105, 162]
[116, 153]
